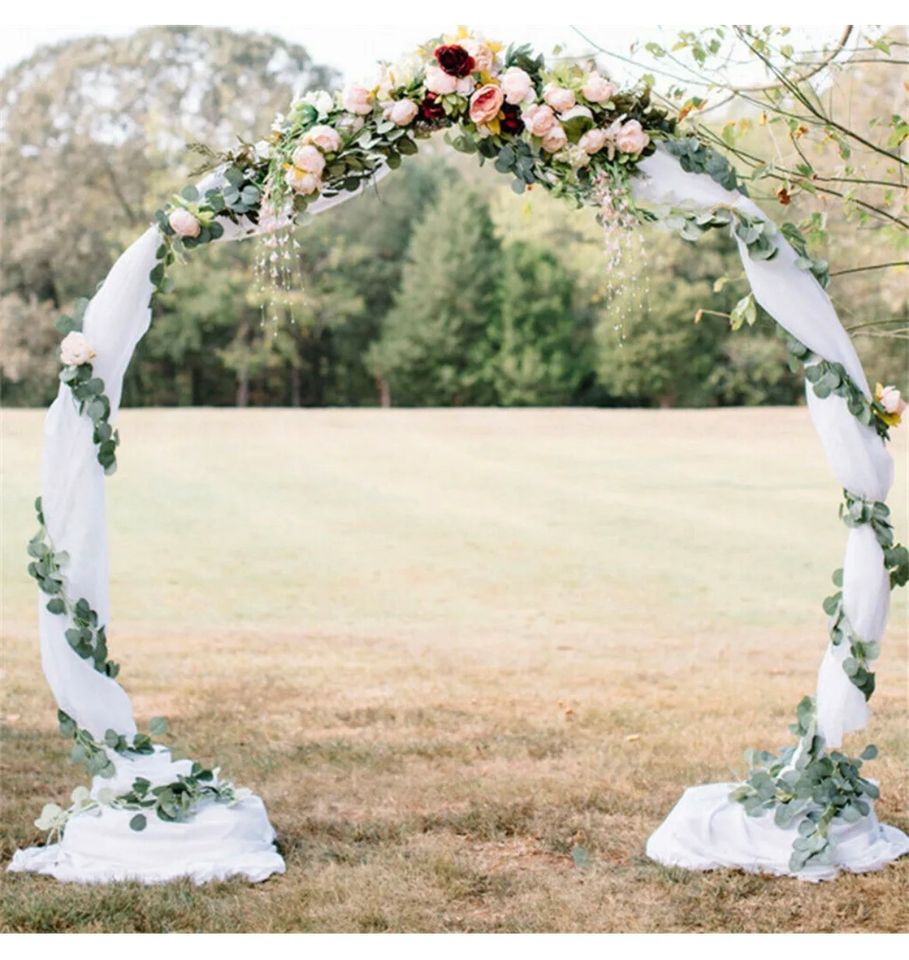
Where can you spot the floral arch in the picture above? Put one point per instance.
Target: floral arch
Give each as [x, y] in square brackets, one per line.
[806, 811]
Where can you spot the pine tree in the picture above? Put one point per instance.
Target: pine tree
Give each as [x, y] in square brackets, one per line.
[544, 345]
[437, 348]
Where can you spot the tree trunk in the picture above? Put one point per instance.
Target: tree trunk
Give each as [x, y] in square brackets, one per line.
[296, 387]
[384, 389]
[243, 387]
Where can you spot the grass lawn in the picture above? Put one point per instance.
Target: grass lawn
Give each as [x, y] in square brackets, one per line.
[447, 648]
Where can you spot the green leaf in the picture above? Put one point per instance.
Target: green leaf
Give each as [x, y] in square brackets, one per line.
[138, 822]
[157, 726]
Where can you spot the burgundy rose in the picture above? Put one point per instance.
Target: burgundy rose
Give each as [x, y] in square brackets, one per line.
[431, 109]
[454, 60]
[511, 122]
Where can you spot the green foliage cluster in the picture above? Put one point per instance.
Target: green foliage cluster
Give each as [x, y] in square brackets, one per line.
[807, 786]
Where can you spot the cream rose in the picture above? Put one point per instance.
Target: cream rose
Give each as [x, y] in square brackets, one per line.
[559, 98]
[482, 55]
[597, 89]
[357, 100]
[183, 223]
[486, 103]
[75, 349]
[309, 159]
[326, 138]
[538, 119]
[516, 84]
[890, 399]
[439, 82]
[631, 137]
[402, 112]
[300, 181]
[593, 141]
[554, 139]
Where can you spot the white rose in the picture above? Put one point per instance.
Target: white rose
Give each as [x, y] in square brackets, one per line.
[439, 82]
[302, 182]
[326, 138]
[322, 100]
[357, 100]
[554, 139]
[891, 400]
[597, 89]
[516, 84]
[309, 159]
[559, 98]
[481, 53]
[402, 112]
[75, 349]
[183, 223]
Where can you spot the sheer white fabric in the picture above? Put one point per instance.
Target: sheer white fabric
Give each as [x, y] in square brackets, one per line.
[219, 840]
[704, 829]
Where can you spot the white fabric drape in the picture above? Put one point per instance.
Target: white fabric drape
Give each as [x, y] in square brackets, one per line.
[857, 455]
[219, 840]
[706, 830]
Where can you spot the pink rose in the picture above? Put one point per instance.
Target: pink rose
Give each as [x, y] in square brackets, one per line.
[538, 119]
[302, 182]
[559, 98]
[326, 138]
[309, 159]
[183, 223]
[889, 396]
[439, 82]
[597, 89]
[554, 139]
[357, 100]
[593, 141]
[631, 137]
[75, 349]
[402, 112]
[516, 85]
[486, 103]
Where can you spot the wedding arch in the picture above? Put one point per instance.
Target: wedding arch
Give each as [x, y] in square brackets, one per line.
[807, 810]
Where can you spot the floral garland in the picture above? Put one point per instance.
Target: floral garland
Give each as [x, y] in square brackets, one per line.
[572, 132]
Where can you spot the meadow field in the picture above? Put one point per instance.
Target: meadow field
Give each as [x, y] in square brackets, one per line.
[469, 658]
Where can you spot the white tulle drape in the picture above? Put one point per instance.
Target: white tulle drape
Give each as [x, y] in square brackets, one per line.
[705, 829]
[857, 455]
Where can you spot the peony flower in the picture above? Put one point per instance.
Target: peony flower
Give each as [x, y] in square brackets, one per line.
[357, 100]
[559, 98]
[631, 137]
[482, 55]
[554, 139]
[183, 223]
[593, 141]
[402, 112]
[516, 84]
[486, 103]
[890, 399]
[309, 159]
[539, 119]
[439, 82]
[597, 89]
[301, 181]
[326, 138]
[454, 60]
[75, 349]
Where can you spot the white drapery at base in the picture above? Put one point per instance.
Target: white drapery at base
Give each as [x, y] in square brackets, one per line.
[707, 831]
[98, 846]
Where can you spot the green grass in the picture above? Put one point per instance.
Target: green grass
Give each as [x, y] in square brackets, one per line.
[447, 647]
